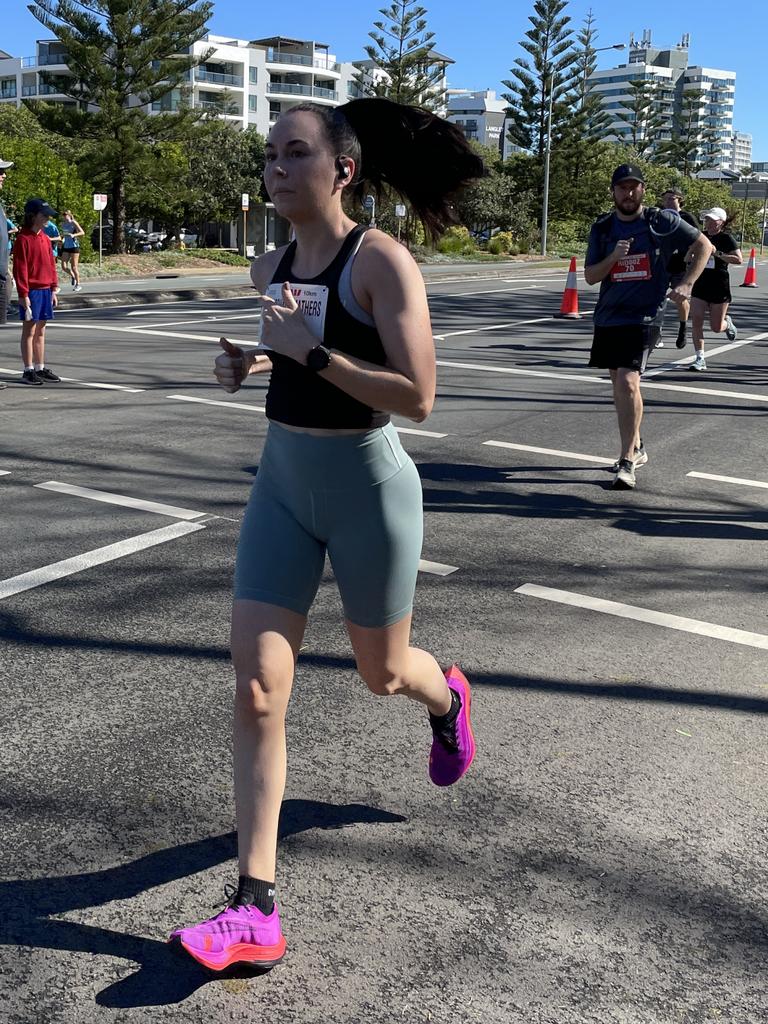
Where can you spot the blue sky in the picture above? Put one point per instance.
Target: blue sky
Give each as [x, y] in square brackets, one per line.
[482, 36]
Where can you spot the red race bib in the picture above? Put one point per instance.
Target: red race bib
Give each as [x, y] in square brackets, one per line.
[632, 268]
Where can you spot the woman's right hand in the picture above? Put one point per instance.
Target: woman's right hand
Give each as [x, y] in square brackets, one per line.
[234, 364]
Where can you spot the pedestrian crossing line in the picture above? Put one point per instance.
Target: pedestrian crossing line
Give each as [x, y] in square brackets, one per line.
[709, 354]
[437, 568]
[490, 327]
[551, 451]
[124, 500]
[89, 559]
[211, 401]
[729, 479]
[84, 383]
[629, 611]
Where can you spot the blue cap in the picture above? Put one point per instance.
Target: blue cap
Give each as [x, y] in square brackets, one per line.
[33, 206]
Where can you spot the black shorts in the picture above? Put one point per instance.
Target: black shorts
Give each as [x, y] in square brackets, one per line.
[714, 293]
[623, 348]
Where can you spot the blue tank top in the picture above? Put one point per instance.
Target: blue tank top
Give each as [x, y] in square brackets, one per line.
[297, 395]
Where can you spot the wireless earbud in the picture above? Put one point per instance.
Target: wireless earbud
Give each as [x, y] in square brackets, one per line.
[343, 169]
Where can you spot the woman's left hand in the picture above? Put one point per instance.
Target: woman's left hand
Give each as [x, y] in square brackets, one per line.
[283, 327]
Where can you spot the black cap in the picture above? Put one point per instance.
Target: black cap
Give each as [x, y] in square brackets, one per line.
[674, 191]
[626, 171]
[33, 206]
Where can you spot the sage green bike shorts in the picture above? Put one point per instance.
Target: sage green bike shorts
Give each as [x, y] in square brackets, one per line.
[356, 496]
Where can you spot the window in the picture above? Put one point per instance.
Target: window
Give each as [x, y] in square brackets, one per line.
[253, 75]
[252, 102]
[7, 88]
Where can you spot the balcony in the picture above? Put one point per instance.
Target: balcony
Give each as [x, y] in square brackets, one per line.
[218, 79]
[50, 90]
[8, 92]
[43, 60]
[288, 89]
[29, 90]
[304, 60]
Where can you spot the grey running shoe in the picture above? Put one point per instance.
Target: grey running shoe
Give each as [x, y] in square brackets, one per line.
[659, 344]
[730, 329]
[625, 476]
[699, 363]
[640, 458]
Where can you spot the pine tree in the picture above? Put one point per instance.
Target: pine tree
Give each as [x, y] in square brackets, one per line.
[593, 122]
[123, 55]
[643, 116]
[547, 76]
[403, 52]
[690, 147]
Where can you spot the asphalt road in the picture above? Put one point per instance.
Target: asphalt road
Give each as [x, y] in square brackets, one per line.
[603, 861]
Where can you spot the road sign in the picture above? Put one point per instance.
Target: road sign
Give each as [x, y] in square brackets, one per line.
[749, 190]
[400, 210]
[369, 202]
[99, 201]
[246, 201]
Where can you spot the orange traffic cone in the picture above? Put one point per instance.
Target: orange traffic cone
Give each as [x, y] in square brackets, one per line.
[750, 278]
[569, 307]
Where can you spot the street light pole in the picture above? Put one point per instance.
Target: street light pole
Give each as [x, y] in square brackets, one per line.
[548, 147]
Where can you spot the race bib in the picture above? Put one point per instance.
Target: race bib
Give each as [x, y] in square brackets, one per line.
[710, 263]
[632, 268]
[312, 300]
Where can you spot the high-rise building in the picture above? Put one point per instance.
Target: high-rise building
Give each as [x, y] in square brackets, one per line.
[742, 151]
[480, 115]
[669, 72]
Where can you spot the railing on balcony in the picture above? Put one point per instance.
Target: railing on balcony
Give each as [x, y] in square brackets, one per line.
[280, 57]
[50, 90]
[219, 79]
[8, 92]
[290, 89]
[29, 90]
[216, 106]
[44, 59]
[326, 94]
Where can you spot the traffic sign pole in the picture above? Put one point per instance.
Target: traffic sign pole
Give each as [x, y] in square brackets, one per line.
[245, 203]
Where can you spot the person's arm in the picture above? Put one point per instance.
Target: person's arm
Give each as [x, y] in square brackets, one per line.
[389, 280]
[696, 260]
[79, 233]
[20, 275]
[734, 256]
[596, 270]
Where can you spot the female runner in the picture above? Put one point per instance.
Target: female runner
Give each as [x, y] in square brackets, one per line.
[348, 339]
[711, 291]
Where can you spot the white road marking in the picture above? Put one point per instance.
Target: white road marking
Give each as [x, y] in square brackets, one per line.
[5, 472]
[729, 479]
[84, 383]
[121, 499]
[490, 327]
[485, 367]
[582, 378]
[422, 433]
[226, 405]
[709, 353]
[551, 451]
[89, 559]
[483, 291]
[437, 568]
[629, 611]
[201, 319]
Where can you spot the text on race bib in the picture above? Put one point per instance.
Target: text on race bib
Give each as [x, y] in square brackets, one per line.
[312, 300]
[632, 268]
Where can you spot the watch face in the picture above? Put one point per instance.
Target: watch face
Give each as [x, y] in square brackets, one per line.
[318, 358]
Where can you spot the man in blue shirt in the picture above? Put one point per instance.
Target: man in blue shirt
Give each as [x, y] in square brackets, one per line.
[52, 231]
[628, 253]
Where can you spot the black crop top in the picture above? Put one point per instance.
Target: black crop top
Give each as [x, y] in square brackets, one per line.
[297, 395]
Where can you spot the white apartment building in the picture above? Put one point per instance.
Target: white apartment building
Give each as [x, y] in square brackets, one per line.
[669, 71]
[366, 73]
[247, 82]
[480, 115]
[742, 151]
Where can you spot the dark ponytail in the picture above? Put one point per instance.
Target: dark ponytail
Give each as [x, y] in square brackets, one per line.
[421, 156]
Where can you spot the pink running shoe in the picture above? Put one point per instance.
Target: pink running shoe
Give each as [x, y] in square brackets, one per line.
[236, 935]
[453, 749]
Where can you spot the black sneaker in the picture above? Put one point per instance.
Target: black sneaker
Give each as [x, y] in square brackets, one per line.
[625, 476]
[31, 377]
[681, 339]
[47, 374]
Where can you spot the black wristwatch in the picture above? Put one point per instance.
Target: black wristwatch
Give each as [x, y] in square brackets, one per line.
[318, 358]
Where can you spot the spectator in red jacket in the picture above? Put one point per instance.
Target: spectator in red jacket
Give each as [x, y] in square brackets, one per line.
[34, 270]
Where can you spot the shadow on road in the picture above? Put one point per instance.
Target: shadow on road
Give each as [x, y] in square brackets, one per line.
[164, 976]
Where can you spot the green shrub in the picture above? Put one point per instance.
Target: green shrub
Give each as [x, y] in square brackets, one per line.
[231, 259]
[458, 240]
[502, 242]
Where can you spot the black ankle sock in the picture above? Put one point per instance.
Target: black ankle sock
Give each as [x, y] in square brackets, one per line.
[682, 328]
[255, 893]
[442, 721]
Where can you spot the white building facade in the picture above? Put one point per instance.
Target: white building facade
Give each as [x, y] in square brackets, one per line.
[742, 151]
[480, 116]
[671, 75]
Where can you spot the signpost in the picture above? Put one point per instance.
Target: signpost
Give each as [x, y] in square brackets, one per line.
[245, 203]
[751, 190]
[370, 204]
[400, 212]
[100, 204]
